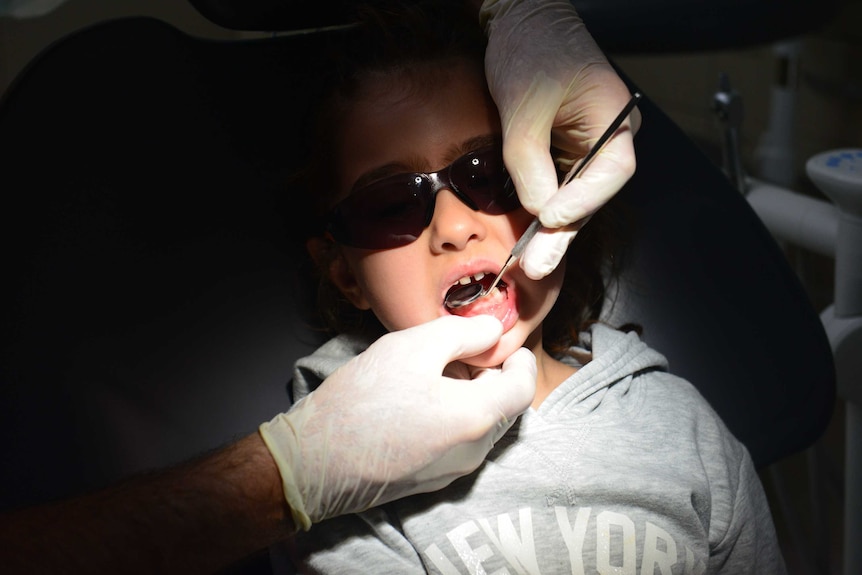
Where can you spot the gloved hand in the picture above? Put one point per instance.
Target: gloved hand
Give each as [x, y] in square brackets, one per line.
[553, 85]
[387, 424]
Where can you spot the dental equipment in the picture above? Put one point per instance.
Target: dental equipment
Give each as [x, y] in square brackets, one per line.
[727, 106]
[469, 293]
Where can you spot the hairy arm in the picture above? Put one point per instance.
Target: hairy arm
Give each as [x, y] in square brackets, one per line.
[198, 517]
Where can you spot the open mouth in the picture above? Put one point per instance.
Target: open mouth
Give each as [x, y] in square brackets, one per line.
[481, 280]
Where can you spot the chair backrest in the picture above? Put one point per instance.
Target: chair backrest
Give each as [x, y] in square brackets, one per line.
[148, 245]
[715, 294]
[154, 300]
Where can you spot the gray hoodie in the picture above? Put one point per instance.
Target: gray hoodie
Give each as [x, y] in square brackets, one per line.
[624, 468]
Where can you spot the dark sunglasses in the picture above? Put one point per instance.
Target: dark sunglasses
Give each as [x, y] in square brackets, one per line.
[392, 212]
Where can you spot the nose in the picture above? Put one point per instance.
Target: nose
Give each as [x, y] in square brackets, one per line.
[454, 224]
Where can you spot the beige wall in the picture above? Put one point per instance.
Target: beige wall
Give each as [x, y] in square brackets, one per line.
[829, 90]
[828, 111]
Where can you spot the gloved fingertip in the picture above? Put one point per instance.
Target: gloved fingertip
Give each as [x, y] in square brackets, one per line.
[572, 204]
[556, 215]
[537, 272]
[545, 252]
[462, 337]
[490, 321]
[479, 323]
[538, 265]
[486, 325]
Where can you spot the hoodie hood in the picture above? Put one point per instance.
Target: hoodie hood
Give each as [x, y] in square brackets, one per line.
[310, 371]
[618, 357]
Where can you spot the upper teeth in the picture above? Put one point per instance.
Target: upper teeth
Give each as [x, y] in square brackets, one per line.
[470, 279]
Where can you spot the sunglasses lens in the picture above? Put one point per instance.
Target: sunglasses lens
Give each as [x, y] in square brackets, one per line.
[387, 214]
[393, 212]
[482, 177]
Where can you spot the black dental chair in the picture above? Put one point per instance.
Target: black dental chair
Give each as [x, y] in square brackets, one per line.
[152, 308]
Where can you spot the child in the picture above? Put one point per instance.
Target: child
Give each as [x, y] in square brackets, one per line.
[618, 466]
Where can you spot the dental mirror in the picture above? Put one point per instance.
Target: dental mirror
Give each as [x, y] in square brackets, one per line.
[464, 295]
[468, 293]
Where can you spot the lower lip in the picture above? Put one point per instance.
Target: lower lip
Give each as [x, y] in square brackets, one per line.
[503, 308]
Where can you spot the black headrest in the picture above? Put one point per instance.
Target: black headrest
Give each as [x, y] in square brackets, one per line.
[619, 26]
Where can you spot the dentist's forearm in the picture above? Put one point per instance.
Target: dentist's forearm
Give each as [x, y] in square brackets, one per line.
[196, 518]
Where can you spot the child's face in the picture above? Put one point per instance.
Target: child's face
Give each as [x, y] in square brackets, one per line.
[424, 131]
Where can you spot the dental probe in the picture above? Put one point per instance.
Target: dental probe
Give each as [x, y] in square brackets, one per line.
[469, 293]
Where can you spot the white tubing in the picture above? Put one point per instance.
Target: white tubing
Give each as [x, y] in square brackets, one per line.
[801, 220]
[774, 152]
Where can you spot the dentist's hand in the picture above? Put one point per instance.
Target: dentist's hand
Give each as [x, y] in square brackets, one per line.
[388, 424]
[553, 86]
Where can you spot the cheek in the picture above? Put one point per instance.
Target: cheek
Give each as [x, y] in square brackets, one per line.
[555, 283]
[392, 281]
[519, 220]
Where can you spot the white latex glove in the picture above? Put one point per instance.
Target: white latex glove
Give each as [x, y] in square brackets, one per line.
[553, 85]
[387, 424]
